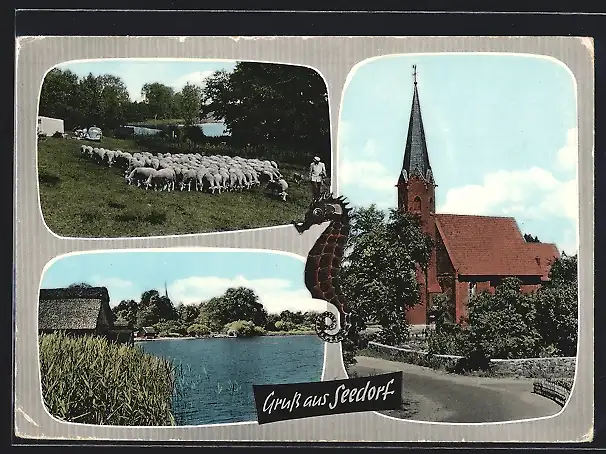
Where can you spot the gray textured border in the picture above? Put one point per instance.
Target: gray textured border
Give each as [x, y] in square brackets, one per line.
[333, 57]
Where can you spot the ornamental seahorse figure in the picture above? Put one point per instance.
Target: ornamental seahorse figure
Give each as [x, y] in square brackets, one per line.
[324, 263]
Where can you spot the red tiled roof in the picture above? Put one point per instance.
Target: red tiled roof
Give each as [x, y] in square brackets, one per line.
[490, 246]
[546, 253]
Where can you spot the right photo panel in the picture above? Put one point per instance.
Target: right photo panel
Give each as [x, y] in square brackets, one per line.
[461, 262]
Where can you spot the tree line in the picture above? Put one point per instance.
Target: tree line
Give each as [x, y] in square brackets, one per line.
[237, 308]
[384, 252]
[260, 103]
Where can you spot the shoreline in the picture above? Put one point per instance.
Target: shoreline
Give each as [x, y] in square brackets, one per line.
[271, 334]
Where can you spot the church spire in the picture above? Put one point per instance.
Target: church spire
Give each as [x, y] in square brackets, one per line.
[416, 159]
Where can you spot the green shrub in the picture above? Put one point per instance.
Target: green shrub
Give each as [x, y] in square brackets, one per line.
[244, 328]
[90, 380]
[198, 329]
[282, 325]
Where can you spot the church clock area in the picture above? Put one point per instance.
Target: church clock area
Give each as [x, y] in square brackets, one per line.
[472, 276]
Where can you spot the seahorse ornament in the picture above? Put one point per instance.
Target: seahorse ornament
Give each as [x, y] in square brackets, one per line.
[324, 263]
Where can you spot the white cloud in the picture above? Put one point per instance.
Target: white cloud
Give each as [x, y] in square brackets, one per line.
[366, 174]
[371, 147]
[535, 193]
[567, 156]
[276, 295]
[111, 282]
[195, 78]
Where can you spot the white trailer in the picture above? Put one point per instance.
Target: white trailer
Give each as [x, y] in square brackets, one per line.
[49, 126]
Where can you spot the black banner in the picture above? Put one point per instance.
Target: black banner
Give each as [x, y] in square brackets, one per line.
[303, 400]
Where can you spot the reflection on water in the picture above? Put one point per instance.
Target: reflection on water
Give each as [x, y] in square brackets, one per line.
[214, 383]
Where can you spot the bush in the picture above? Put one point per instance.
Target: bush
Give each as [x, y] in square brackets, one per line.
[198, 329]
[282, 325]
[92, 381]
[244, 328]
[165, 329]
[451, 339]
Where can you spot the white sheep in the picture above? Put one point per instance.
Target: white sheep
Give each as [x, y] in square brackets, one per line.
[138, 175]
[279, 187]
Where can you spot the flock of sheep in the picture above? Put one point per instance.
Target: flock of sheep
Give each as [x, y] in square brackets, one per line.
[169, 172]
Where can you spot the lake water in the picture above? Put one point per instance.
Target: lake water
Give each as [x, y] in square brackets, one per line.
[215, 385]
[209, 129]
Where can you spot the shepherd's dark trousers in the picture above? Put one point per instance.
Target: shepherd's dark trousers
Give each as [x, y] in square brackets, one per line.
[316, 189]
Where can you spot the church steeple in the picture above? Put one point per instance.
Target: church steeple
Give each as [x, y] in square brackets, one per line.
[416, 158]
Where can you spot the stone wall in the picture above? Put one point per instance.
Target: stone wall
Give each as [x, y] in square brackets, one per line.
[543, 368]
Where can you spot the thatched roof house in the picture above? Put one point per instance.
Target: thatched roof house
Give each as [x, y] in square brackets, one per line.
[79, 311]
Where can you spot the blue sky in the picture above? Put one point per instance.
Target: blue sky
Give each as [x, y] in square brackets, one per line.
[501, 134]
[191, 277]
[135, 73]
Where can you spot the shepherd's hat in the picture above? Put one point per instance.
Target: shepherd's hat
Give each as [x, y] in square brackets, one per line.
[317, 159]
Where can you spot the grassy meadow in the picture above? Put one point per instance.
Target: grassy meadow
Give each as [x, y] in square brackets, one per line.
[80, 198]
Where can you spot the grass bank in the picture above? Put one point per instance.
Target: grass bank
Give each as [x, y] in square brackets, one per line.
[81, 198]
[90, 380]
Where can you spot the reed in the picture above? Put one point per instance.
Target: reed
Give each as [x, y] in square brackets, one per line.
[93, 381]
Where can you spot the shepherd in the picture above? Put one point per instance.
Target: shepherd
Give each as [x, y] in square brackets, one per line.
[317, 172]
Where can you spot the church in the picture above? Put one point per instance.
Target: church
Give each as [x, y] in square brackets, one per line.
[471, 253]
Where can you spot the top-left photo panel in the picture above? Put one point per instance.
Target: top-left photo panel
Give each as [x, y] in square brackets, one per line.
[142, 148]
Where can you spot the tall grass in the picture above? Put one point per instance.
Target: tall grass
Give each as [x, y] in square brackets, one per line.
[91, 380]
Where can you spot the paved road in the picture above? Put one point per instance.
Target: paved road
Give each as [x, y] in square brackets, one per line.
[442, 397]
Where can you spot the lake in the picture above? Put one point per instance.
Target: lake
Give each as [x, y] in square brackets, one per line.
[215, 383]
[209, 129]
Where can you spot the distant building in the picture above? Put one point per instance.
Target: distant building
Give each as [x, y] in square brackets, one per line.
[80, 311]
[472, 253]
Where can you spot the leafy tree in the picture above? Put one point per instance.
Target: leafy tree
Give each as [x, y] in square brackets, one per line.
[379, 273]
[502, 325]
[187, 313]
[265, 103]
[159, 99]
[154, 308]
[114, 99]
[190, 103]
[557, 307]
[89, 102]
[126, 310]
[59, 96]
[235, 304]
[80, 285]
[441, 310]
[295, 318]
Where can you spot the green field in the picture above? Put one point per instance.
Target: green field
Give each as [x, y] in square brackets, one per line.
[80, 198]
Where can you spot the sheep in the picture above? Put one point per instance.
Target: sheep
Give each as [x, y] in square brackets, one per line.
[189, 176]
[110, 155]
[138, 174]
[280, 186]
[164, 178]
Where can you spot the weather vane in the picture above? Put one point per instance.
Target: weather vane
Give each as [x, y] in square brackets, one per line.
[414, 73]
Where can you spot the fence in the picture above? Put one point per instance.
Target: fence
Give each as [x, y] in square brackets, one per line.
[557, 393]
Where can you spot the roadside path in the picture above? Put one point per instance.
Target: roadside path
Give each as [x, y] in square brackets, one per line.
[442, 397]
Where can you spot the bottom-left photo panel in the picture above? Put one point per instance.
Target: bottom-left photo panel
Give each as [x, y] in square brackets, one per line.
[172, 337]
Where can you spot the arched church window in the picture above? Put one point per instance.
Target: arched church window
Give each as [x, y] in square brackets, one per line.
[416, 206]
[431, 207]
